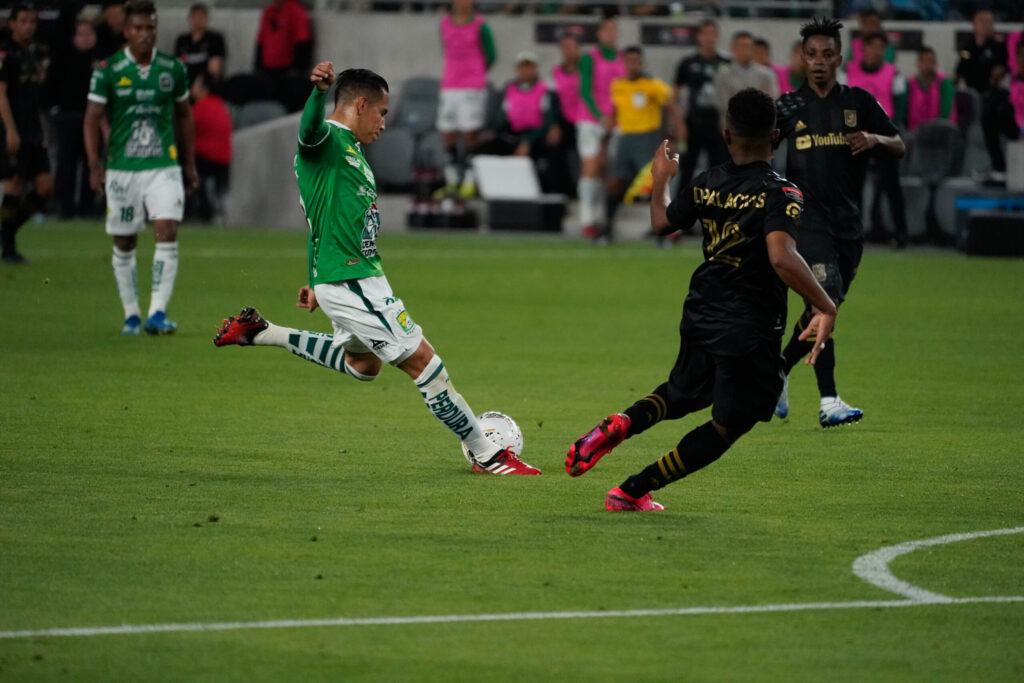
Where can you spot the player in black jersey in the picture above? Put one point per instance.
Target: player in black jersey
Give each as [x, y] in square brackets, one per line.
[735, 313]
[829, 128]
[22, 72]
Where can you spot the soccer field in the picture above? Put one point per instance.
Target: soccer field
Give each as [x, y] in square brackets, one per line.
[272, 520]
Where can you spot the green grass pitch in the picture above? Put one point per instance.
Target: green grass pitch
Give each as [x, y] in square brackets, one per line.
[162, 480]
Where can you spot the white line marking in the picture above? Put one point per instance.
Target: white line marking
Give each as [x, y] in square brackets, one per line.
[129, 629]
[874, 566]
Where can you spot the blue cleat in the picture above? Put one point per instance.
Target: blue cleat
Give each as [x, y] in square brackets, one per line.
[159, 324]
[782, 407]
[835, 411]
[132, 325]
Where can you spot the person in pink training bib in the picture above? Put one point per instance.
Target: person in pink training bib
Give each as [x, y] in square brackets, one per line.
[469, 52]
[929, 92]
[599, 66]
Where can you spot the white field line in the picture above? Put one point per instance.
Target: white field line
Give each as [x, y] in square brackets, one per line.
[129, 629]
[872, 567]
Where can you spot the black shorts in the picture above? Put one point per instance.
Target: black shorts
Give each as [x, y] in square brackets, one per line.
[833, 260]
[30, 161]
[741, 389]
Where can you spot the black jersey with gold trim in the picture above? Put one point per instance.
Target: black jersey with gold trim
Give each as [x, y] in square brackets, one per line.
[818, 157]
[736, 299]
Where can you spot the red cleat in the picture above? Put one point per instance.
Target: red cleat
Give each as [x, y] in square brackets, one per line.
[618, 500]
[599, 441]
[241, 329]
[591, 230]
[505, 462]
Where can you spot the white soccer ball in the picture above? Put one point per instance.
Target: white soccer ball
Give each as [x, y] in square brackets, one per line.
[502, 430]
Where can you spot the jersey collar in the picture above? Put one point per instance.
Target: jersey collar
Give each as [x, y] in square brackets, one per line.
[338, 124]
[131, 58]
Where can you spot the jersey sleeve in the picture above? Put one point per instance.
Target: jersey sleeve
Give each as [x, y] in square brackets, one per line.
[875, 119]
[217, 48]
[784, 204]
[6, 68]
[683, 212]
[180, 74]
[99, 85]
[313, 130]
[681, 72]
[660, 92]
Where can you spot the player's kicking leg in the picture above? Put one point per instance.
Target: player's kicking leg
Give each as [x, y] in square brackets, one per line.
[420, 362]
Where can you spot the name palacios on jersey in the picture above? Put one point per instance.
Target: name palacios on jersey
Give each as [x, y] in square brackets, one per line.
[733, 200]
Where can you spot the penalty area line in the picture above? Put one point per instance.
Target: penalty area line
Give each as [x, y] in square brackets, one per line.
[130, 629]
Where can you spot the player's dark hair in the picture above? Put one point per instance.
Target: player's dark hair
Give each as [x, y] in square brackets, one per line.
[143, 7]
[761, 42]
[823, 26]
[927, 49]
[706, 23]
[740, 35]
[633, 50]
[570, 33]
[18, 9]
[878, 35]
[353, 83]
[751, 114]
[198, 7]
[868, 13]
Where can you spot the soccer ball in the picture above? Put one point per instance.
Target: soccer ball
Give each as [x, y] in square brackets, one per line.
[501, 430]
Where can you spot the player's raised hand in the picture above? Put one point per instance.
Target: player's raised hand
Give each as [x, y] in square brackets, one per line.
[307, 299]
[820, 328]
[665, 163]
[861, 141]
[323, 75]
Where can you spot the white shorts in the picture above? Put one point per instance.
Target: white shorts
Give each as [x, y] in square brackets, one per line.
[131, 195]
[368, 318]
[461, 109]
[589, 136]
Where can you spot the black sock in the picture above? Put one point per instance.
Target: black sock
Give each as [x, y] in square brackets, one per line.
[648, 411]
[825, 369]
[698, 449]
[611, 207]
[29, 206]
[795, 349]
[8, 222]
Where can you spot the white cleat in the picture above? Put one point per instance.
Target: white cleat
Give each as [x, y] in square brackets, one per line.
[834, 411]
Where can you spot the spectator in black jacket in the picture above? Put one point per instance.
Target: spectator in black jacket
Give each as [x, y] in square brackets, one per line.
[201, 49]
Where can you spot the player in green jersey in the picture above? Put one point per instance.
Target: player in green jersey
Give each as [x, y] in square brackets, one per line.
[338, 193]
[144, 94]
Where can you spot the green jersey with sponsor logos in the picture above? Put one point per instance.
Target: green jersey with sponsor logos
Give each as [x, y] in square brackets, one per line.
[140, 103]
[338, 193]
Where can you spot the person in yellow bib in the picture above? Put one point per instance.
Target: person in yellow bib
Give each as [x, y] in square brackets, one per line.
[639, 103]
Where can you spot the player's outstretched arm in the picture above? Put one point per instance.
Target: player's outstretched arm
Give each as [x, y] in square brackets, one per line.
[793, 270]
[663, 168]
[312, 127]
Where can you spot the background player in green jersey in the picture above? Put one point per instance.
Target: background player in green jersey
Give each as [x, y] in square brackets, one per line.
[338, 193]
[144, 94]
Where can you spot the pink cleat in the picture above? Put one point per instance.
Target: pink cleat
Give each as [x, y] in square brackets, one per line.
[618, 500]
[600, 440]
[505, 462]
[240, 329]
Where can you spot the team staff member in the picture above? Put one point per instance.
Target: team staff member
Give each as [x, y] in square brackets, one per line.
[733, 316]
[22, 73]
[828, 129]
[639, 101]
[695, 76]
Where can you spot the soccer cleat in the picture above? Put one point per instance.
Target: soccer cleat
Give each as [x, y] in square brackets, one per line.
[467, 190]
[835, 411]
[132, 325]
[159, 324]
[600, 440]
[505, 462]
[446, 190]
[241, 329]
[782, 407]
[592, 230]
[618, 500]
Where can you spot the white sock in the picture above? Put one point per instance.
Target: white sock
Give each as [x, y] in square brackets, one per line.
[126, 274]
[452, 411]
[316, 347]
[589, 190]
[165, 270]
